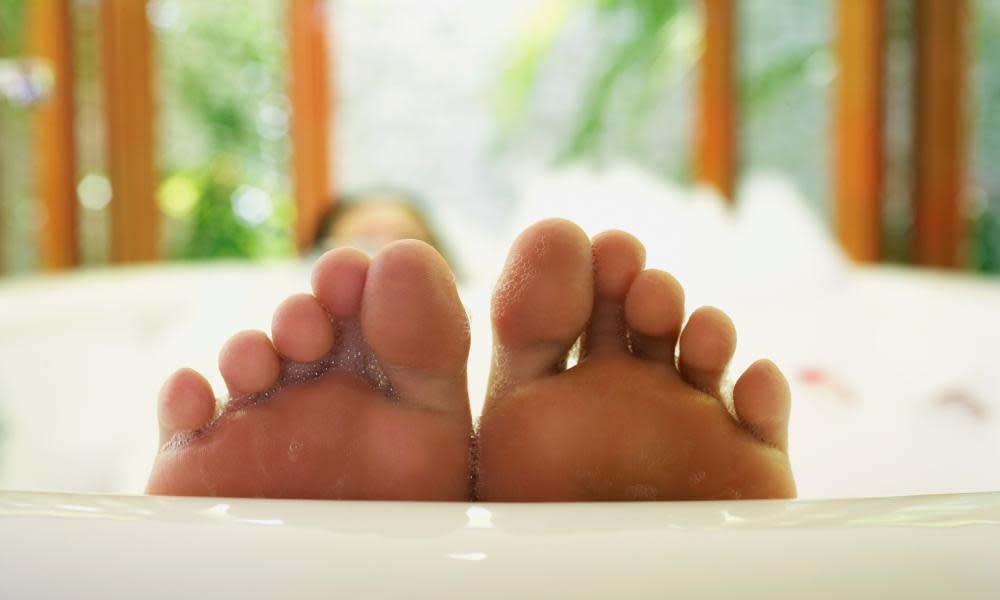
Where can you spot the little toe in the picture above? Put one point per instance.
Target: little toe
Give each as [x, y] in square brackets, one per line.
[416, 325]
[654, 311]
[301, 329]
[338, 280]
[618, 258]
[186, 403]
[707, 344]
[541, 303]
[763, 403]
[248, 363]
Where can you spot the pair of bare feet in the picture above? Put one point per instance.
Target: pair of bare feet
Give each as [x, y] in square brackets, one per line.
[360, 393]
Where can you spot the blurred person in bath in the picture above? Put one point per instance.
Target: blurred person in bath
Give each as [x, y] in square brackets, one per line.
[370, 219]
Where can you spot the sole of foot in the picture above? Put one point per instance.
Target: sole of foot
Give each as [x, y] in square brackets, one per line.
[636, 418]
[359, 393]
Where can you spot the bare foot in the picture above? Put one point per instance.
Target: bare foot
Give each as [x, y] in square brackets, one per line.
[359, 394]
[629, 421]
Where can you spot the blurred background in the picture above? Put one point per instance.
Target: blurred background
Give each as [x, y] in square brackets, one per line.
[137, 130]
[826, 170]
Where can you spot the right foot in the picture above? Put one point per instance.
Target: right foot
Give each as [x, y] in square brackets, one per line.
[359, 394]
[632, 420]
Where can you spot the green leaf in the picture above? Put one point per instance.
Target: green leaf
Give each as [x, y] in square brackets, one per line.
[536, 42]
[760, 89]
[636, 53]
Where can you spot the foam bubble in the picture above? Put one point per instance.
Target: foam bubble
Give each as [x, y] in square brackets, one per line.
[351, 354]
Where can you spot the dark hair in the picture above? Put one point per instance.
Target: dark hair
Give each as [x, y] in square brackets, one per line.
[345, 203]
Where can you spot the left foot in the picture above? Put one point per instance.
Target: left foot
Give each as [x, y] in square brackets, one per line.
[629, 422]
[360, 393]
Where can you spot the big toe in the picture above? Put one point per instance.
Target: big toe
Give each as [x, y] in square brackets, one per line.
[414, 322]
[542, 302]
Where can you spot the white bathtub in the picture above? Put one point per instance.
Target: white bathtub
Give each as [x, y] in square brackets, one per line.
[90, 546]
[82, 357]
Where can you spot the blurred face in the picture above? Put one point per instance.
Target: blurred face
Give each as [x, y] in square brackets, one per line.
[376, 223]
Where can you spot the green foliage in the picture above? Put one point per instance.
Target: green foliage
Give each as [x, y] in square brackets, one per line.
[634, 68]
[535, 44]
[986, 243]
[225, 120]
[760, 90]
[204, 200]
[11, 26]
[639, 50]
[639, 53]
[986, 138]
[17, 210]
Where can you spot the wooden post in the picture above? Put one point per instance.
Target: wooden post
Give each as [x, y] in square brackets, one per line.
[128, 97]
[310, 99]
[940, 138]
[859, 126]
[50, 39]
[716, 153]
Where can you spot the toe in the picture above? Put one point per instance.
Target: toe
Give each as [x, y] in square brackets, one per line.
[542, 302]
[302, 331]
[338, 280]
[248, 363]
[186, 403]
[414, 322]
[707, 344]
[654, 310]
[617, 258]
[763, 402]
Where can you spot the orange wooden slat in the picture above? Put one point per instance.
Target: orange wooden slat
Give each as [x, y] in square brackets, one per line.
[50, 39]
[311, 114]
[940, 137]
[127, 61]
[859, 127]
[716, 153]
